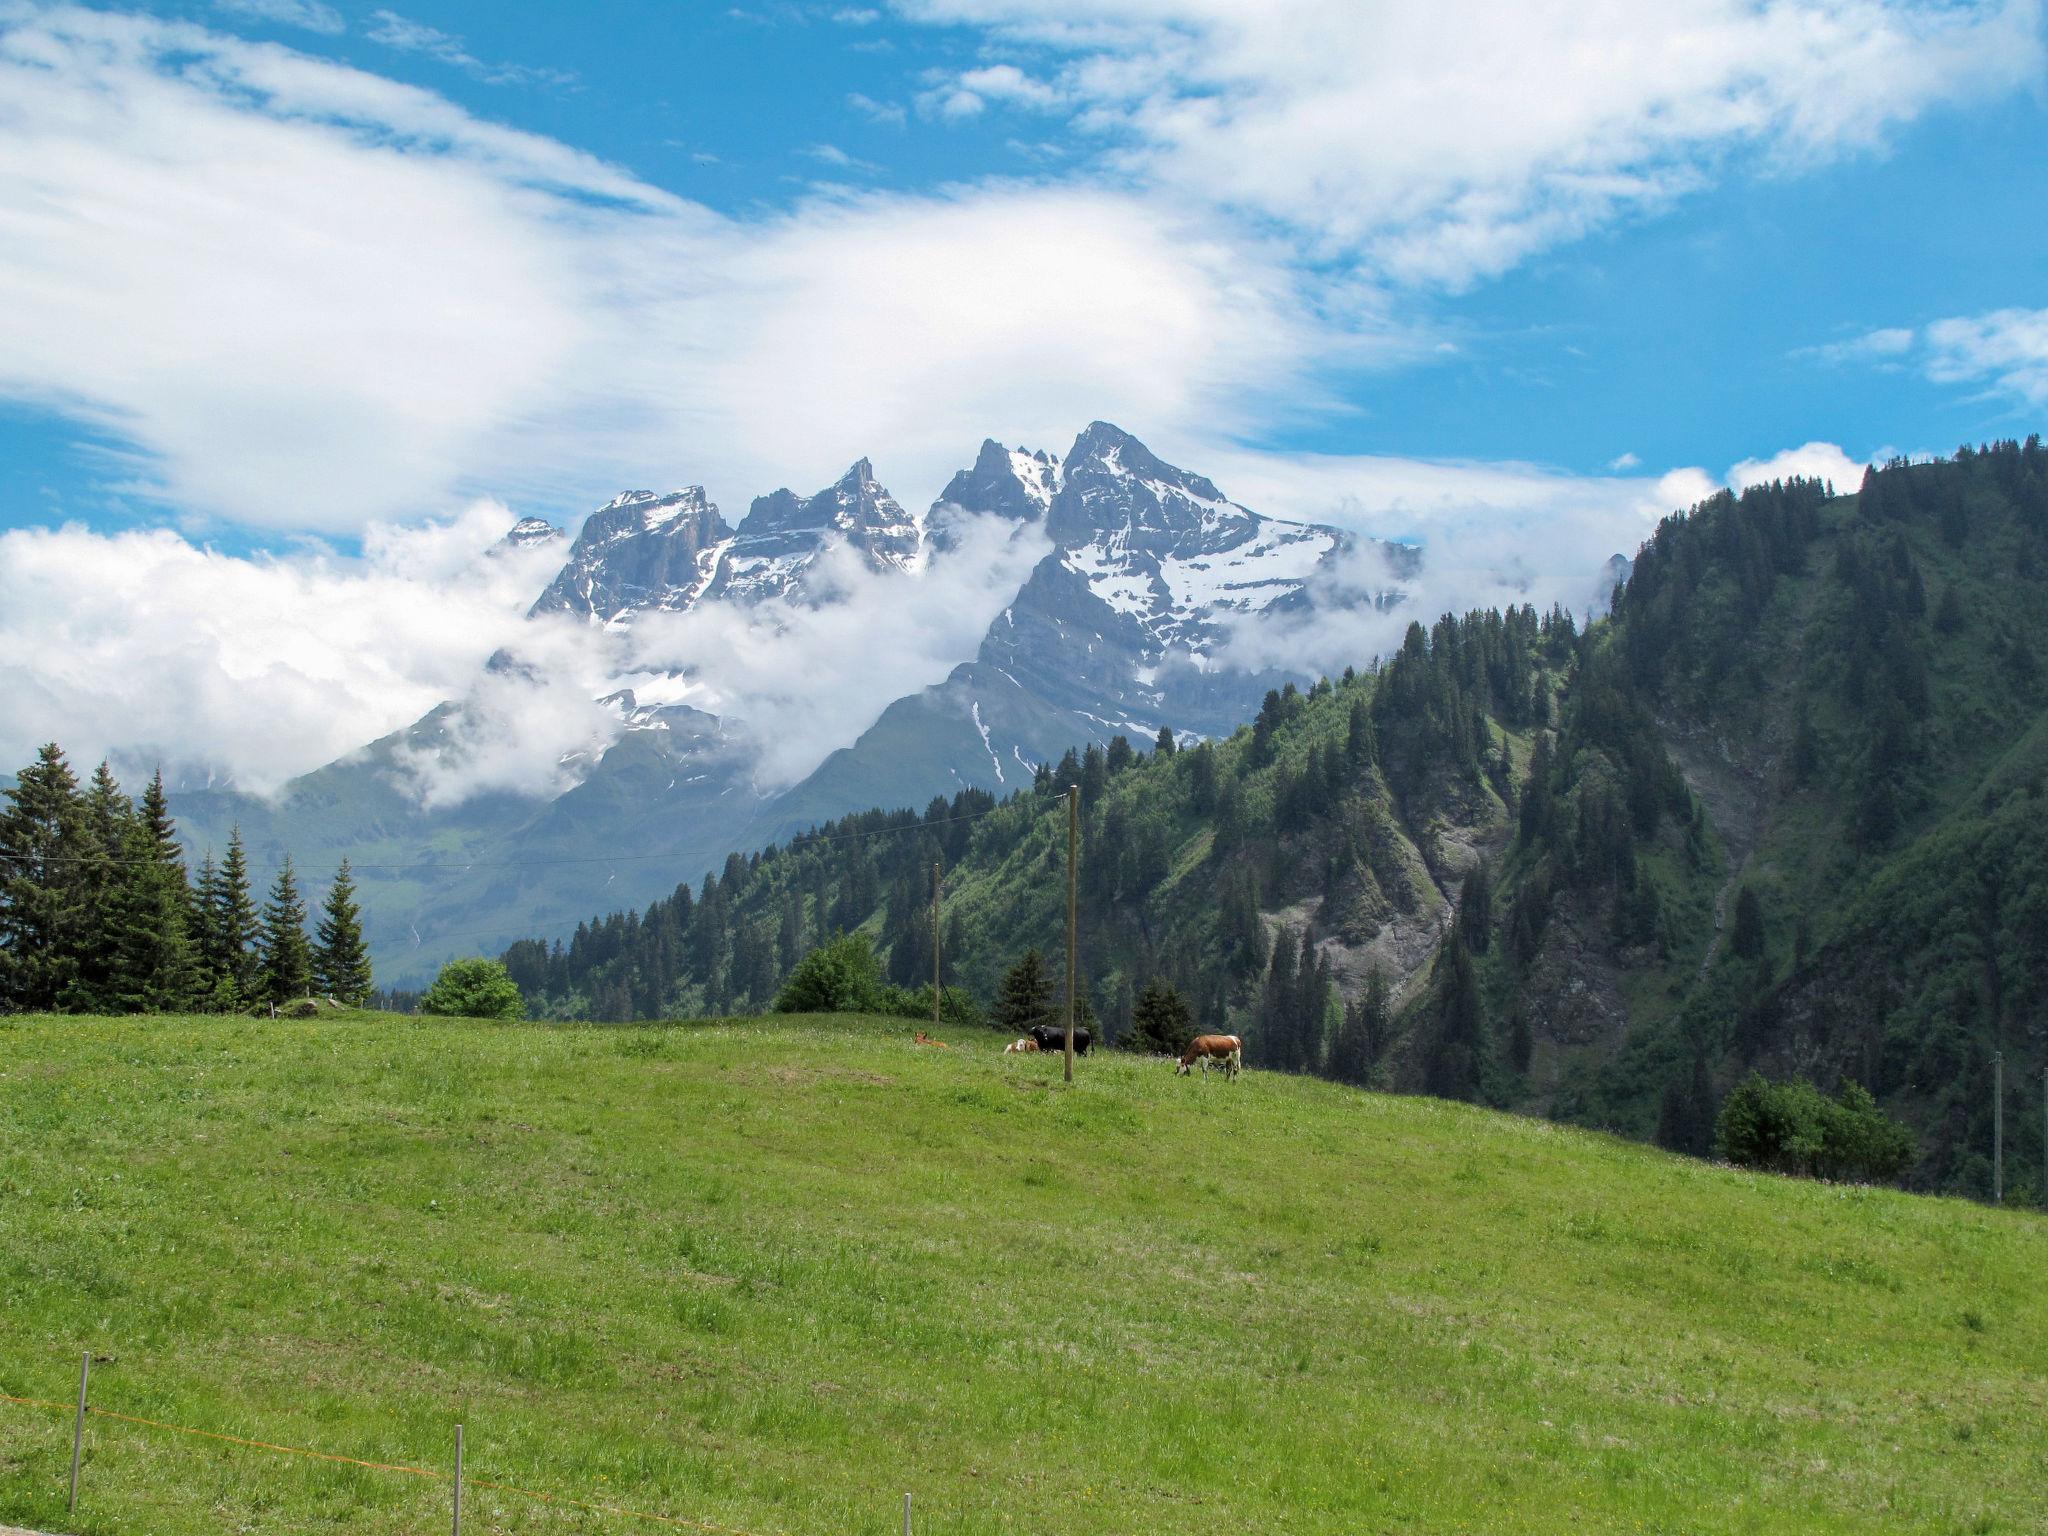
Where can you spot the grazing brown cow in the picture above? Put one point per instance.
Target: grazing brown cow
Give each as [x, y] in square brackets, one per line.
[1019, 1047]
[1228, 1049]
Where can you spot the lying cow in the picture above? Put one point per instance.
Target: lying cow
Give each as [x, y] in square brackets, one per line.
[1019, 1047]
[1053, 1037]
[1228, 1049]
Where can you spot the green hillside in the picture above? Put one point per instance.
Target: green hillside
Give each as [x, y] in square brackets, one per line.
[1821, 715]
[770, 1275]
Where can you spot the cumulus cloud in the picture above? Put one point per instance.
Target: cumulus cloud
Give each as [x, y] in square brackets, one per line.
[1809, 461]
[1438, 142]
[147, 645]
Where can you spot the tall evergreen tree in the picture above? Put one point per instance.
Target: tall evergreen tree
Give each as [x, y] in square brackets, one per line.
[341, 960]
[287, 970]
[1026, 997]
[156, 965]
[101, 879]
[232, 930]
[1451, 1064]
[41, 921]
[1475, 908]
[1748, 939]
[1161, 1021]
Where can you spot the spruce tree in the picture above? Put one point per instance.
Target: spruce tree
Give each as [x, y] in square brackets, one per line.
[1451, 1065]
[287, 970]
[42, 924]
[1026, 996]
[156, 966]
[341, 960]
[1475, 908]
[1161, 1021]
[1277, 1039]
[232, 931]
[101, 880]
[1748, 939]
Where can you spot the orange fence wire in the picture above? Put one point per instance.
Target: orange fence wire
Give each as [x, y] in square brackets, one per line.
[387, 1466]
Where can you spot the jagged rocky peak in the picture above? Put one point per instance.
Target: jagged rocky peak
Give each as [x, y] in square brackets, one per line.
[639, 550]
[1008, 482]
[783, 534]
[529, 532]
[1112, 481]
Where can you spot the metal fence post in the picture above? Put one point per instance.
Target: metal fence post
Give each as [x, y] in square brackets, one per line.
[458, 1480]
[78, 1430]
[906, 1515]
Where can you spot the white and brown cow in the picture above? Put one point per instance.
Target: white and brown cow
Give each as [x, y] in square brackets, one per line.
[1228, 1049]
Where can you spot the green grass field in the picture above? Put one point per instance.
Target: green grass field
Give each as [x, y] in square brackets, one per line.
[771, 1274]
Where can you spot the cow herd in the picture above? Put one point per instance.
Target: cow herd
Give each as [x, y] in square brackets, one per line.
[1226, 1051]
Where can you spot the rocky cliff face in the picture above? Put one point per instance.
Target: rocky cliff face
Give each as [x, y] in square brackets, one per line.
[638, 551]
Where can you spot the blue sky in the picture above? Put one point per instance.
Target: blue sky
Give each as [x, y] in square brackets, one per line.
[1686, 327]
[303, 298]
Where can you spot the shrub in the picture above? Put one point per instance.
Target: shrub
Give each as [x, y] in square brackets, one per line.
[1792, 1127]
[474, 988]
[840, 977]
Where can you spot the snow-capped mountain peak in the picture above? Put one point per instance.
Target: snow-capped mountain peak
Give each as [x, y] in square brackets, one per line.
[638, 551]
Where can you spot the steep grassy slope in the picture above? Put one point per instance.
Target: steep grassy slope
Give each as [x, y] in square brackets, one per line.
[1823, 712]
[770, 1275]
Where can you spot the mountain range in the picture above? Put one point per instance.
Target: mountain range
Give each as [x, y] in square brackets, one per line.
[1123, 626]
[1782, 811]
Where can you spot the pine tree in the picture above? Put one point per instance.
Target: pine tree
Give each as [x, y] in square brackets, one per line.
[1164, 746]
[341, 960]
[1277, 1042]
[1026, 997]
[232, 930]
[41, 918]
[287, 970]
[101, 881]
[1160, 1020]
[155, 968]
[1748, 939]
[1475, 908]
[1451, 1066]
[156, 965]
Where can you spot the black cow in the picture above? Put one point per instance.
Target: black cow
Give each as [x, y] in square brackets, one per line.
[1053, 1037]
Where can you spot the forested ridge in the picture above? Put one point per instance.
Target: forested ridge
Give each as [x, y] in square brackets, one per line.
[1781, 810]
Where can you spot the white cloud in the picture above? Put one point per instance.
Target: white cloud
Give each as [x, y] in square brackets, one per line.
[856, 16]
[312, 298]
[1811, 461]
[2002, 350]
[1623, 461]
[1490, 535]
[2006, 349]
[408, 36]
[146, 644]
[888, 112]
[310, 15]
[1445, 143]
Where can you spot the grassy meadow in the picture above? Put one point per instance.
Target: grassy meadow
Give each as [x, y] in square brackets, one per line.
[770, 1274]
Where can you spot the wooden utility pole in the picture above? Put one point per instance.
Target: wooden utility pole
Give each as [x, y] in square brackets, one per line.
[935, 946]
[1073, 926]
[1998, 1127]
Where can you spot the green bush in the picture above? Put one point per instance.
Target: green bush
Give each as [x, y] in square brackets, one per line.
[1792, 1127]
[840, 977]
[474, 988]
